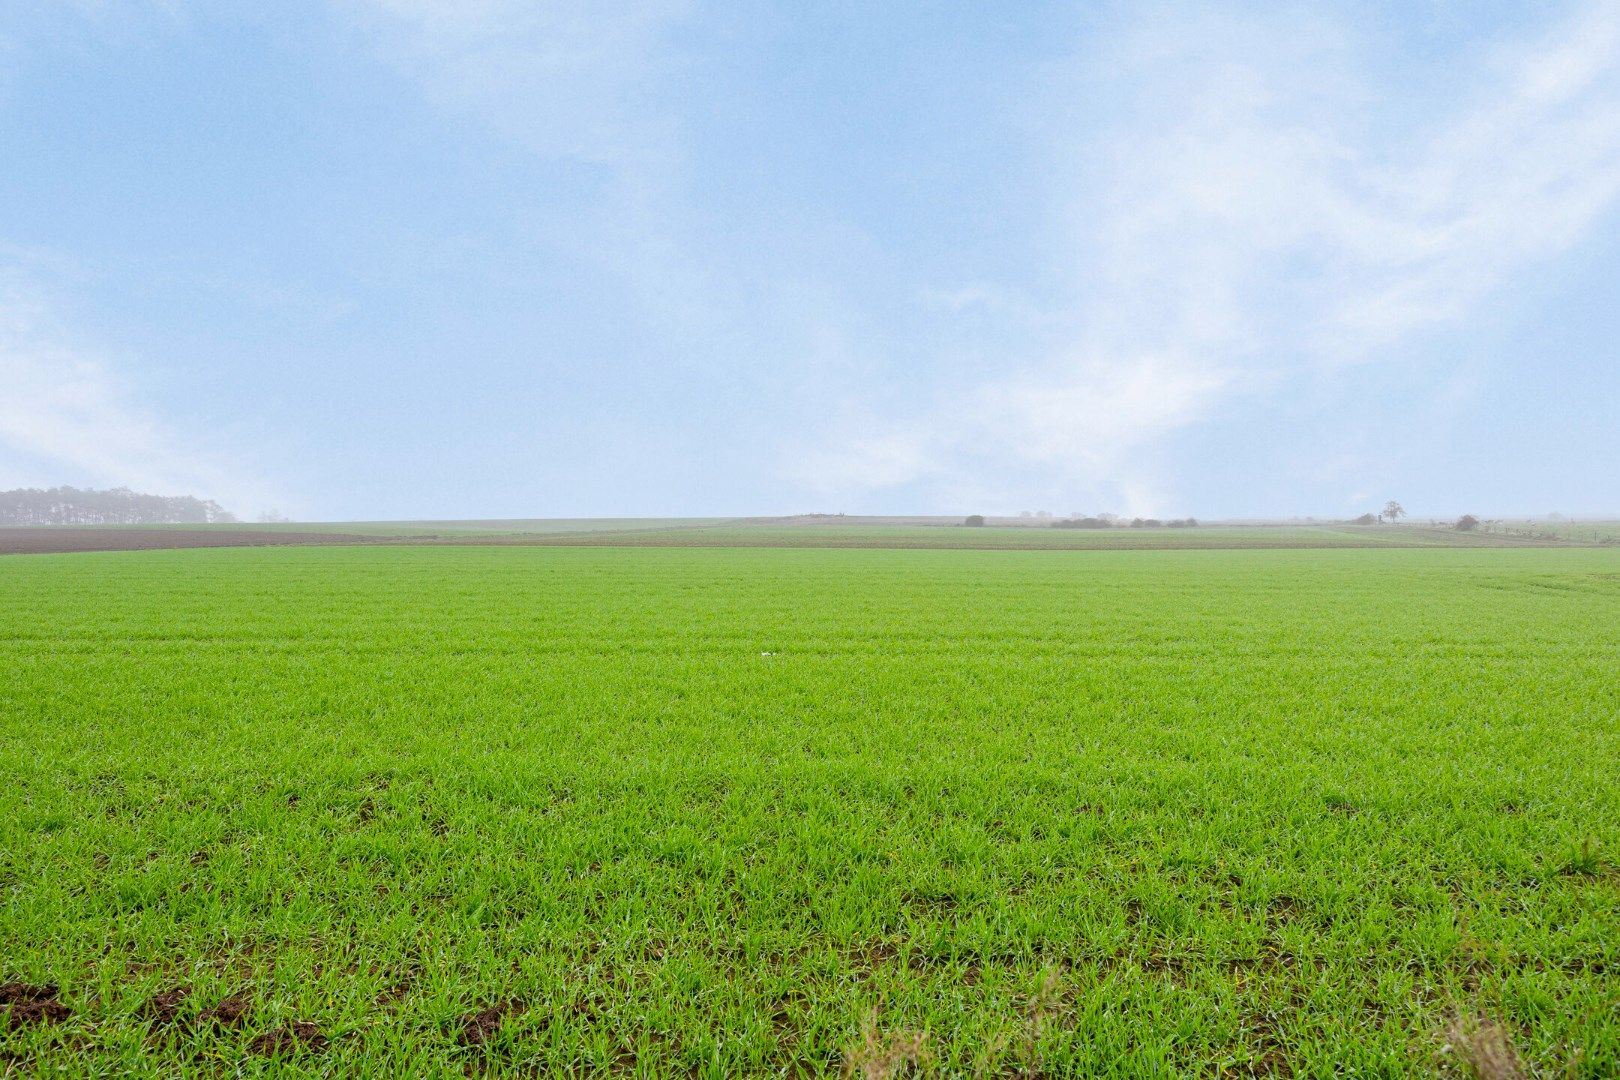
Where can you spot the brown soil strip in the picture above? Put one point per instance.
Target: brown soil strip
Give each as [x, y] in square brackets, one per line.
[811, 540]
[40, 540]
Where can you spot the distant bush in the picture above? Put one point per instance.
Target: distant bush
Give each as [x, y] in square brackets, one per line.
[1081, 523]
[1365, 519]
[1146, 523]
[1183, 523]
[1467, 523]
[975, 520]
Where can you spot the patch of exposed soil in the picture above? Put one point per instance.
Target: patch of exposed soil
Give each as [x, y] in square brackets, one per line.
[28, 1004]
[480, 1027]
[164, 1009]
[230, 1013]
[289, 1038]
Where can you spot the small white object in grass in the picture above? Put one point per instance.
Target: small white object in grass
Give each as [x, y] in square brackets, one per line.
[767, 654]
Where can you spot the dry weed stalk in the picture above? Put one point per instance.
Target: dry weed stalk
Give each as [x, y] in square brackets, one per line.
[881, 1055]
[1483, 1047]
[1043, 1002]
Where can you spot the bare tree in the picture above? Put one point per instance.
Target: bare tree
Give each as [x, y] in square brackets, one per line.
[1393, 511]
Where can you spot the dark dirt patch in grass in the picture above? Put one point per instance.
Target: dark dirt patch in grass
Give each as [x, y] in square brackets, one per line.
[291, 1037]
[25, 1004]
[163, 1009]
[477, 1029]
[230, 1013]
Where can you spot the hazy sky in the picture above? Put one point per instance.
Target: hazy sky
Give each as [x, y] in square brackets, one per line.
[491, 258]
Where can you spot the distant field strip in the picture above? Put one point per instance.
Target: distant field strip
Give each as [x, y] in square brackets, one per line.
[536, 811]
[494, 526]
[44, 540]
[1034, 538]
[35, 539]
[698, 532]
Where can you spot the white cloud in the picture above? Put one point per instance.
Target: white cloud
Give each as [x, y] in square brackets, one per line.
[589, 85]
[66, 417]
[1090, 415]
[1249, 212]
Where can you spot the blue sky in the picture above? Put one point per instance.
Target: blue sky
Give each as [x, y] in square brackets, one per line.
[484, 258]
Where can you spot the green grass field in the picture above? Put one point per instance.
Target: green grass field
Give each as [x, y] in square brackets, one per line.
[1585, 532]
[541, 811]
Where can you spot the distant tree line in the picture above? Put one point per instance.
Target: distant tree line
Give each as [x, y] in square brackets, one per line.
[1120, 523]
[1392, 513]
[1104, 521]
[118, 506]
